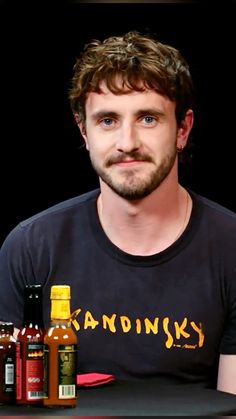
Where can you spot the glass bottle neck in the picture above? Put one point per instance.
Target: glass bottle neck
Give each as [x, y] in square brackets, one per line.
[33, 313]
[65, 323]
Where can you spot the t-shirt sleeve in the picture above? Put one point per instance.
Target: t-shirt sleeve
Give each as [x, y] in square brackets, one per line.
[228, 341]
[15, 272]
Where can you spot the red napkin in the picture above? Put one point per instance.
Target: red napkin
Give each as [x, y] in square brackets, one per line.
[93, 379]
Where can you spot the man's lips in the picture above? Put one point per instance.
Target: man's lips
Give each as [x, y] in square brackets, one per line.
[128, 162]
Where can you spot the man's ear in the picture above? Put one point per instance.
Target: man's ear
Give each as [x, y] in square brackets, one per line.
[82, 128]
[184, 129]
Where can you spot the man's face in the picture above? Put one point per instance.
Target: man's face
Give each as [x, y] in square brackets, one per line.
[131, 139]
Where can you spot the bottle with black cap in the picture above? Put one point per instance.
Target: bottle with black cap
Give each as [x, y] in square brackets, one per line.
[30, 349]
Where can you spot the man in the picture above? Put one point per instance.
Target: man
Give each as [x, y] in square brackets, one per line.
[151, 264]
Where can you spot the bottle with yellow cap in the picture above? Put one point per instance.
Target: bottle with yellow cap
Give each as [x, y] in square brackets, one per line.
[60, 352]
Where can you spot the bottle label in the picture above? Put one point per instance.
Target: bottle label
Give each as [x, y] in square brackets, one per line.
[8, 374]
[18, 372]
[33, 371]
[67, 358]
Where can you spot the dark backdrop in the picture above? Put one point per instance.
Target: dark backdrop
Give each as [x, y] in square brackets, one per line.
[42, 161]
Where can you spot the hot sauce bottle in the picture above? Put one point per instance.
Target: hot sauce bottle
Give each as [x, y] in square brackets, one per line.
[60, 352]
[7, 363]
[29, 349]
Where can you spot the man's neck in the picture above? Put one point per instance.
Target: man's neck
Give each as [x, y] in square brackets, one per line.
[147, 226]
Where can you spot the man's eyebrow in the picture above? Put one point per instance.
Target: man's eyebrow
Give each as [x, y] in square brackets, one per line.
[149, 111]
[104, 114]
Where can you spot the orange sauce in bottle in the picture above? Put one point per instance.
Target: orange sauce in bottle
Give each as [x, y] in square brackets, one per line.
[60, 352]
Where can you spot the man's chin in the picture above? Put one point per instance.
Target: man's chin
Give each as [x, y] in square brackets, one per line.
[132, 194]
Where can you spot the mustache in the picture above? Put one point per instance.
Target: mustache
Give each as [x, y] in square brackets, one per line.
[121, 157]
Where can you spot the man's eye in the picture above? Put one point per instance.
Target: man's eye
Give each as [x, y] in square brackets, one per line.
[107, 121]
[148, 119]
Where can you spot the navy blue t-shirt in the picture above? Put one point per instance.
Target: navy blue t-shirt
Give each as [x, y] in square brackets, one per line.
[168, 314]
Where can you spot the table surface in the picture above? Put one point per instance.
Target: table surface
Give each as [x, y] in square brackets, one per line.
[147, 397]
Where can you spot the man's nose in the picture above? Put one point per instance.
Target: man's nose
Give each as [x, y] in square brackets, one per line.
[127, 139]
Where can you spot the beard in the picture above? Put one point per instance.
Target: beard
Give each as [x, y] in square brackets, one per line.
[133, 185]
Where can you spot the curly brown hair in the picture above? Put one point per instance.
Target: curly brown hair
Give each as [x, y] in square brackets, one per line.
[135, 58]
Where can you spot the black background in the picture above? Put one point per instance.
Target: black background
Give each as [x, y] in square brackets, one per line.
[42, 161]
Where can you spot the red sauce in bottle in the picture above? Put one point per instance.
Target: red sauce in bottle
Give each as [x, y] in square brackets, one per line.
[7, 363]
[30, 350]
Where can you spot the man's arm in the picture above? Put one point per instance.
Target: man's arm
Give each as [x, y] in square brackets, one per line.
[227, 374]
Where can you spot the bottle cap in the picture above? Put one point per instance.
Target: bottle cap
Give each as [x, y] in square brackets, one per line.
[60, 292]
[33, 291]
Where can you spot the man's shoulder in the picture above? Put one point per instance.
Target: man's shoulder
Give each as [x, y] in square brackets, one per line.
[216, 215]
[215, 208]
[51, 228]
[63, 208]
